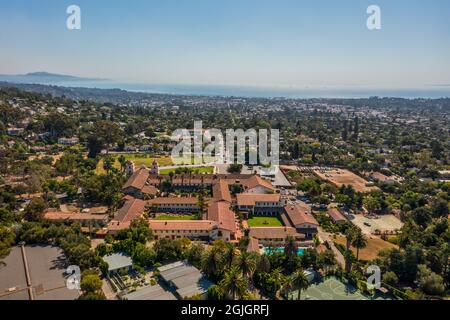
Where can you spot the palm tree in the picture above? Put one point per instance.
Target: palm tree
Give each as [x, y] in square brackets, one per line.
[215, 292]
[246, 263]
[349, 235]
[359, 241]
[327, 260]
[287, 286]
[229, 255]
[277, 279]
[290, 247]
[234, 284]
[300, 281]
[201, 204]
[212, 261]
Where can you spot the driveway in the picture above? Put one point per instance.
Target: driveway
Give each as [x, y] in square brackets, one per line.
[326, 237]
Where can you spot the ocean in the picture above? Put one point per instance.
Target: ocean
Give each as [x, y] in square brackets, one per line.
[429, 92]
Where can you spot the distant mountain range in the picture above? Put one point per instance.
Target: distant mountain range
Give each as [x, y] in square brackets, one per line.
[44, 78]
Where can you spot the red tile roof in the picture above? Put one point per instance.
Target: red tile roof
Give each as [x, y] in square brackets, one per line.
[221, 191]
[274, 233]
[115, 225]
[138, 179]
[131, 210]
[256, 181]
[300, 214]
[173, 225]
[221, 213]
[249, 199]
[151, 190]
[182, 200]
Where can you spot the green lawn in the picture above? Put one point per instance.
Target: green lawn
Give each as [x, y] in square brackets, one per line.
[139, 160]
[195, 170]
[180, 217]
[265, 222]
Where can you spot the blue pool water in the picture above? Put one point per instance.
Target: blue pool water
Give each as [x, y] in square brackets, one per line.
[267, 250]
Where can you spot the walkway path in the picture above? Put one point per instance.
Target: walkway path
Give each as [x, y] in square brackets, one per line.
[326, 237]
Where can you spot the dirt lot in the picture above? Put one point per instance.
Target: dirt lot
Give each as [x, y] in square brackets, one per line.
[384, 223]
[340, 177]
[374, 246]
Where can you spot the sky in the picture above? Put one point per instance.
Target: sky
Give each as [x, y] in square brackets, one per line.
[286, 43]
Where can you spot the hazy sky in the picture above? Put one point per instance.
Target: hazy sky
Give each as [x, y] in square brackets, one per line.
[236, 42]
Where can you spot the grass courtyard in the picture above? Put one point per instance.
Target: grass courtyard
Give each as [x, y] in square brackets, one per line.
[265, 222]
[194, 170]
[138, 159]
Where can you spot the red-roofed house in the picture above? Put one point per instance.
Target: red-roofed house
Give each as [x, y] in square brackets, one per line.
[203, 230]
[301, 218]
[132, 209]
[221, 192]
[136, 183]
[260, 203]
[257, 185]
[183, 204]
[336, 215]
[272, 236]
[221, 213]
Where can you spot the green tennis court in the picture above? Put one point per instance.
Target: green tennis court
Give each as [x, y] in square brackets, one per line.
[330, 289]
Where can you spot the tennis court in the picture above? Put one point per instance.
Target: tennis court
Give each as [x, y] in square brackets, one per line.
[330, 289]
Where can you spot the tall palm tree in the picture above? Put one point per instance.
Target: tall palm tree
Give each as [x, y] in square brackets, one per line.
[234, 284]
[229, 255]
[277, 279]
[246, 263]
[359, 241]
[290, 247]
[349, 235]
[212, 261]
[300, 281]
[287, 286]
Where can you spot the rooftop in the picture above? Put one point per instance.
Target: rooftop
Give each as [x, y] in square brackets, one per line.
[118, 261]
[131, 210]
[221, 213]
[155, 292]
[336, 215]
[187, 280]
[192, 225]
[173, 200]
[300, 214]
[138, 179]
[221, 191]
[274, 233]
[249, 199]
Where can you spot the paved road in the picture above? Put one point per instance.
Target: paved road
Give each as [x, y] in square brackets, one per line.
[326, 237]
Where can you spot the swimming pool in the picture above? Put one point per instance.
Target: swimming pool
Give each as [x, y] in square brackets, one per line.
[268, 250]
